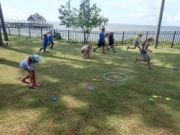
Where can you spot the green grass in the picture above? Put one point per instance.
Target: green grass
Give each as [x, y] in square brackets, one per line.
[110, 109]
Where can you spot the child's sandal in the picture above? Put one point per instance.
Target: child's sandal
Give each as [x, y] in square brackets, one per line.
[36, 85]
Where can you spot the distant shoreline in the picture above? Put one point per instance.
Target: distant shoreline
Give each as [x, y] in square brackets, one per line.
[116, 27]
[124, 27]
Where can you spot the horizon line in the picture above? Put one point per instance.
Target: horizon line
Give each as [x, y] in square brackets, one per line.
[114, 23]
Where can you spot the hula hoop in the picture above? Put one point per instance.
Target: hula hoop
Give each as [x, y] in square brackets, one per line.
[122, 79]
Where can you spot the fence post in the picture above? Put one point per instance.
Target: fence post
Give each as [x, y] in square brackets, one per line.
[147, 34]
[172, 44]
[41, 33]
[29, 32]
[122, 42]
[68, 35]
[9, 31]
[84, 37]
[19, 31]
[75, 35]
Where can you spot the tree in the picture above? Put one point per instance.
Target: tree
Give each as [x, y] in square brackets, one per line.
[67, 16]
[3, 25]
[86, 17]
[36, 18]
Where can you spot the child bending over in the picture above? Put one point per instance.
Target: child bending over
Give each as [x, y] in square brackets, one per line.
[86, 51]
[29, 65]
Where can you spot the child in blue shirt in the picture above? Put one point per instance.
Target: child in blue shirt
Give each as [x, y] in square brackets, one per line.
[101, 41]
[45, 43]
[50, 37]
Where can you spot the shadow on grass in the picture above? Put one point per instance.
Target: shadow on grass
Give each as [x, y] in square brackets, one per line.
[9, 63]
[106, 100]
[79, 111]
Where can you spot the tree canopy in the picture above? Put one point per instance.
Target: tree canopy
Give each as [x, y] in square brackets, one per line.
[85, 17]
[36, 18]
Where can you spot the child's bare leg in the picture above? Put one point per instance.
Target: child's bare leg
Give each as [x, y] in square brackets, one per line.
[103, 50]
[44, 49]
[52, 44]
[96, 48]
[85, 55]
[149, 64]
[137, 59]
[88, 53]
[25, 78]
[134, 47]
[113, 49]
[107, 47]
[40, 49]
[33, 77]
[139, 48]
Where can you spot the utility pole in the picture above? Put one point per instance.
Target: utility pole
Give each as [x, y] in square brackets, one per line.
[159, 23]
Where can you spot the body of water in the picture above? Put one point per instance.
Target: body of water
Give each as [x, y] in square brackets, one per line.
[124, 32]
[122, 27]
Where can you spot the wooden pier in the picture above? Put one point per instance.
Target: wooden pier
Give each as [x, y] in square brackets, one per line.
[27, 25]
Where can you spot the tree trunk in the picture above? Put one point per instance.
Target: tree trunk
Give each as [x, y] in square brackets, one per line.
[3, 25]
[1, 41]
[86, 36]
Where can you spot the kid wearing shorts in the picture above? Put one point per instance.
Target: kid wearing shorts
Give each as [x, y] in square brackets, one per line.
[136, 42]
[145, 52]
[45, 43]
[101, 41]
[29, 66]
[85, 50]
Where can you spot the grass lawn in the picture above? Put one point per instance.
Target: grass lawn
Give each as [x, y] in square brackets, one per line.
[110, 109]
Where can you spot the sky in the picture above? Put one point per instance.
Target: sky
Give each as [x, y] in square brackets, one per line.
[141, 12]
